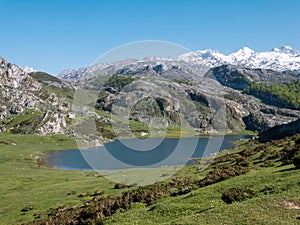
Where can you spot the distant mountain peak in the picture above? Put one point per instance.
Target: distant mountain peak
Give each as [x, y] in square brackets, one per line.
[287, 50]
[242, 54]
[211, 51]
[246, 50]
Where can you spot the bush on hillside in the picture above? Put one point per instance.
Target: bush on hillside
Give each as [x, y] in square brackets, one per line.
[237, 194]
[291, 155]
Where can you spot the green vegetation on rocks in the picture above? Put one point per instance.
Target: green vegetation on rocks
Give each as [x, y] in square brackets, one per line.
[285, 95]
[118, 82]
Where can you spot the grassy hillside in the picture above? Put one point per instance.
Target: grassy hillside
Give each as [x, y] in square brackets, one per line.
[261, 180]
[276, 202]
[24, 183]
[53, 84]
[43, 77]
[118, 82]
[268, 193]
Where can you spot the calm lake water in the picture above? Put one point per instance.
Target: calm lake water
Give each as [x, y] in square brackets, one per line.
[132, 153]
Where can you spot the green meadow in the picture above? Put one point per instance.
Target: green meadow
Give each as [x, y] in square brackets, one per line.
[24, 182]
[30, 190]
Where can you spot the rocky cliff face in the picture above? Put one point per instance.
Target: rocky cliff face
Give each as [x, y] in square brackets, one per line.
[17, 88]
[24, 97]
[240, 78]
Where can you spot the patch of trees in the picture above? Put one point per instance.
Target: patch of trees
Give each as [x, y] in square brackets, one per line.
[286, 95]
[118, 82]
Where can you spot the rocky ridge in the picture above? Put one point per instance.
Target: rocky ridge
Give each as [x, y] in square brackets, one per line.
[22, 95]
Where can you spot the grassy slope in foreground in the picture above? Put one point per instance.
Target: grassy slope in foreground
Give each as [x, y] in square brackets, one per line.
[276, 200]
[204, 205]
[23, 183]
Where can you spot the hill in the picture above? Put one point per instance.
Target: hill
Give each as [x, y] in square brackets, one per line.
[29, 105]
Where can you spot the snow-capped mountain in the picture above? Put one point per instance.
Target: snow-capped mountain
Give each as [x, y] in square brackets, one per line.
[279, 59]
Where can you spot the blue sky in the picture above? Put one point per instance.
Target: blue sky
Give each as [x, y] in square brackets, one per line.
[57, 34]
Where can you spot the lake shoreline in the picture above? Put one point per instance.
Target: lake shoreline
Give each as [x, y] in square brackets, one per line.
[171, 134]
[201, 143]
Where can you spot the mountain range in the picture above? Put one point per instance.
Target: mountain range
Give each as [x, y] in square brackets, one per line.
[280, 59]
[255, 94]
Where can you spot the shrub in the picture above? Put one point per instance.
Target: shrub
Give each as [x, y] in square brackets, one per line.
[273, 154]
[237, 194]
[296, 159]
[291, 154]
[268, 163]
[98, 192]
[268, 190]
[247, 152]
[225, 158]
[244, 162]
[120, 186]
[297, 141]
[222, 173]
[27, 208]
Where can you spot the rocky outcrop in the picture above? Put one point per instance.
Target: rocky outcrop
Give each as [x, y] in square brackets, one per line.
[52, 123]
[22, 95]
[17, 88]
[240, 78]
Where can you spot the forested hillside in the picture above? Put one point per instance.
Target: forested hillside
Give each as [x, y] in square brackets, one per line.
[286, 95]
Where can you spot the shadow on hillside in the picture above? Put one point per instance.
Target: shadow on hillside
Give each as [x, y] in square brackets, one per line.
[286, 170]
